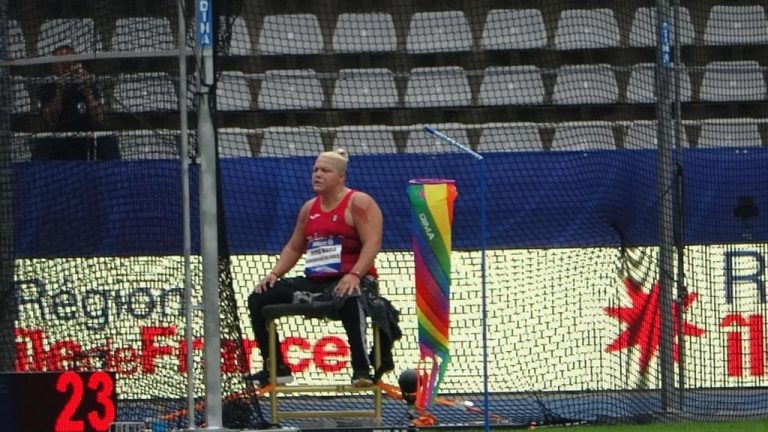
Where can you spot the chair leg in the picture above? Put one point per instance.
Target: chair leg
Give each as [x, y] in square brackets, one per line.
[272, 360]
[377, 396]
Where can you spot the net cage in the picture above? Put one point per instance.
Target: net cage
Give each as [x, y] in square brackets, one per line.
[622, 176]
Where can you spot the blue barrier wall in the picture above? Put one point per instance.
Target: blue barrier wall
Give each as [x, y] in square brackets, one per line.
[535, 199]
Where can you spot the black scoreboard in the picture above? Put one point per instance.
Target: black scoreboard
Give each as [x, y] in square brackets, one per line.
[57, 401]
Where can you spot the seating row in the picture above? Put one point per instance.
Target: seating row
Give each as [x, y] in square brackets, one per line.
[433, 87]
[443, 31]
[308, 141]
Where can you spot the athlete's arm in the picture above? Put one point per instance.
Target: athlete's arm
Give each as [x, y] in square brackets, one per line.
[369, 223]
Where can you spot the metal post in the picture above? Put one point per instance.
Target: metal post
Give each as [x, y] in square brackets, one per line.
[209, 238]
[7, 289]
[682, 290]
[186, 217]
[665, 91]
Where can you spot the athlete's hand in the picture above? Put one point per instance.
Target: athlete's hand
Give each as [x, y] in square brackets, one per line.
[347, 286]
[266, 283]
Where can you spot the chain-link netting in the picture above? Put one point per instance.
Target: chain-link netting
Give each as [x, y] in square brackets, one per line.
[560, 98]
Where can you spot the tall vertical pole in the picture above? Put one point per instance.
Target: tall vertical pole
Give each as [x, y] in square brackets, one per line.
[665, 91]
[209, 238]
[186, 217]
[7, 288]
[682, 290]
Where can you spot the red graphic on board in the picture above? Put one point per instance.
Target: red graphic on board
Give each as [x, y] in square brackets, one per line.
[644, 322]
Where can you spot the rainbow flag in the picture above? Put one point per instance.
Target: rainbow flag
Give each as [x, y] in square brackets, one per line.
[432, 215]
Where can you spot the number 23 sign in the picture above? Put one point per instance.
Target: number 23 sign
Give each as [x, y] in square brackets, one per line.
[57, 401]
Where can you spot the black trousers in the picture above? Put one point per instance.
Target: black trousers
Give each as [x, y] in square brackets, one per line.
[351, 314]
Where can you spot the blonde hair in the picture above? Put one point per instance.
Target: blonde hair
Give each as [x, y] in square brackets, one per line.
[340, 157]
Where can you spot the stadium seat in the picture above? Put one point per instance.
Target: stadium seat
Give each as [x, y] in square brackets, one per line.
[143, 34]
[641, 135]
[438, 87]
[21, 102]
[364, 33]
[421, 142]
[280, 141]
[510, 29]
[21, 149]
[80, 33]
[234, 143]
[240, 39]
[642, 32]
[586, 136]
[511, 85]
[290, 90]
[149, 145]
[17, 44]
[585, 84]
[233, 92]
[365, 88]
[509, 137]
[642, 81]
[365, 140]
[586, 29]
[432, 32]
[290, 34]
[736, 25]
[729, 133]
[732, 81]
[143, 92]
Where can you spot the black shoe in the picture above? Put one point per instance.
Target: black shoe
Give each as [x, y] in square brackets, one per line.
[284, 376]
[387, 365]
[362, 378]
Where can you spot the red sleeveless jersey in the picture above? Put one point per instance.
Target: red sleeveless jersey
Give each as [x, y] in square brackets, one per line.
[333, 246]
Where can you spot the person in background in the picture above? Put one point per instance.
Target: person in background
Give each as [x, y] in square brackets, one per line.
[71, 104]
[339, 231]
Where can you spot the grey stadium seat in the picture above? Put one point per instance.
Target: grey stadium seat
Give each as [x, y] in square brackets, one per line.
[508, 29]
[149, 145]
[642, 135]
[445, 31]
[642, 33]
[509, 137]
[21, 149]
[511, 85]
[17, 45]
[240, 43]
[730, 133]
[736, 25]
[364, 33]
[586, 29]
[234, 143]
[143, 34]
[80, 33]
[365, 140]
[290, 89]
[280, 141]
[438, 87]
[585, 84]
[642, 79]
[233, 92]
[587, 136]
[732, 81]
[422, 142]
[290, 34]
[365, 88]
[144, 91]
[21, 102]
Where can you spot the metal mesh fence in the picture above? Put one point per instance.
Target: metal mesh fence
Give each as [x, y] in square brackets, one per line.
[559, 97]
